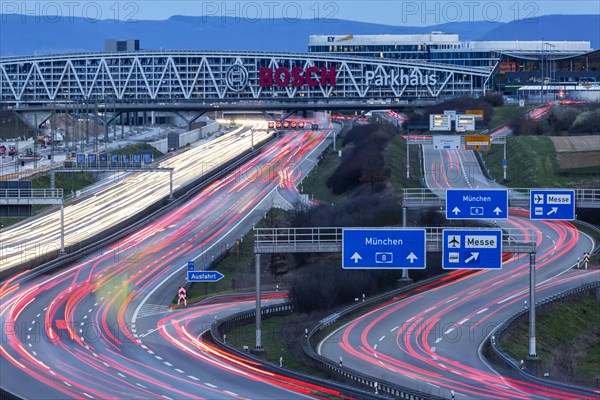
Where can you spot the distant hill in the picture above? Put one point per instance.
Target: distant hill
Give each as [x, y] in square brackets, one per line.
[27, 35]
[550, 27]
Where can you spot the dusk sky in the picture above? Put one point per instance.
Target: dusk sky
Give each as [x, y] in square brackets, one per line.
[415, 13]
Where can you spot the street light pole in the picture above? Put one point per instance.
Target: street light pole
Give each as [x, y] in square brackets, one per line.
[542, 83]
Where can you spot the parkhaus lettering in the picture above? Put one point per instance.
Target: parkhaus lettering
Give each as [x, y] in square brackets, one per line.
[393, 78]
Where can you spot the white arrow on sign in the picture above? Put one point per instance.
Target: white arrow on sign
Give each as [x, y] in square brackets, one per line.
[553, 210]
[456, 210]
[412, 257]
[356, 257]
[474, 256]
[497, 211]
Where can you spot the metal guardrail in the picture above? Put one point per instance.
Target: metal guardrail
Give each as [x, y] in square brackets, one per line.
[329, 240]
[517, 197]
[496, 336]
[31, 193]
[245, 317]
[30, 196]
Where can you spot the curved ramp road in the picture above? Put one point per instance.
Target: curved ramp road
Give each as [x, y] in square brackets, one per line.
[105, 327]
[431, 341]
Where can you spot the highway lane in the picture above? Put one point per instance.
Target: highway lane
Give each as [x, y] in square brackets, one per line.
[86, 217]
[430, 341]
[73, 334]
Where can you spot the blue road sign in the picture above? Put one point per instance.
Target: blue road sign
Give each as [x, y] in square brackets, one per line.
[552, 204]
[472, 249]
[383, 248]
[204, 276]
[476, 204]
[190, 265]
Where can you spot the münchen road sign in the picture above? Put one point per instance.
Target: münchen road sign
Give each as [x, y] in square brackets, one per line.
[204, 276]
[476, 204]
[383, 248]
[472, 249]
[552, 204]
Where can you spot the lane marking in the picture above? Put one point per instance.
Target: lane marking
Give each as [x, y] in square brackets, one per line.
[512, 297]
[121, 375]
[463, 321]
[180, 371]
[448, 331]
[394, 328]
[438, 340]
[87, 395]
[168, 364]
[210, 385]
[381, 338]
[451, 300]
[481, 311]
[192, 377]
[474, 291]
[67, 383]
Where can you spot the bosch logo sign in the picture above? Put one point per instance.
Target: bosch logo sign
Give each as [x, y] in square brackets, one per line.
[236, 77]
[297, 76]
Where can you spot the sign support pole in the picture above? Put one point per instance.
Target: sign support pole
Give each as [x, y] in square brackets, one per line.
[404, 224]
[258, 343]
[171, 185]
[62, 227]
[532, 350]
[407, 159]
[504, 166]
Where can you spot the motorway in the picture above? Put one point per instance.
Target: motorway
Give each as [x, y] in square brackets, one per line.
[105, 327]
[128, 195]
[432, 341]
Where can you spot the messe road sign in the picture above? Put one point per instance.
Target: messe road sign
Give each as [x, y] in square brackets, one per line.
[383, 248]
[472, 249]
[191, 265]
[476, 204]
[204, 276]
[552, 204]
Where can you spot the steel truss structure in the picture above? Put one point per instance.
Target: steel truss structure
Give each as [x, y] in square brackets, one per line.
[205, 76]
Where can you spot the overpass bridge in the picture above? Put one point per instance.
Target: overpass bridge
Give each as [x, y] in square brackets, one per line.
[227, 80]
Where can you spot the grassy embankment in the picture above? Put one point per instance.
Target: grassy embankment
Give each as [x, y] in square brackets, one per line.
[568, 340]
[532, 162]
